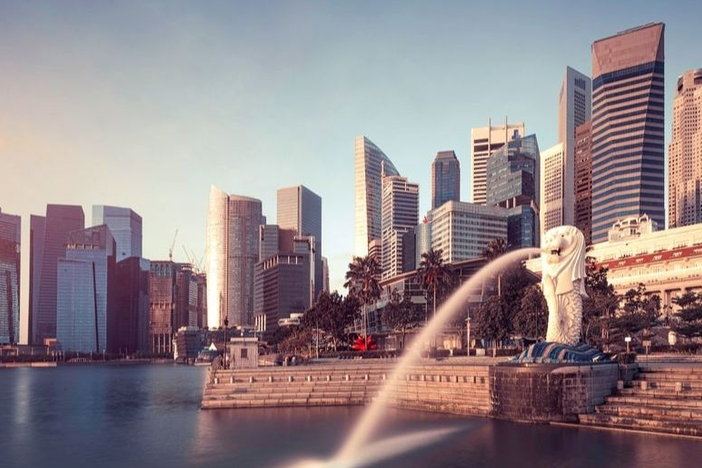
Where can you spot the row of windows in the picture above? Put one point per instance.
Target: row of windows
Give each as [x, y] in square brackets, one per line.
[648, 85]
[600, 125]
[626, 73]
[608, 106]
[608, 138]
[603, 198]
[627, 159]
[650, 106]
[630, 95]
[598, 154]
[615, 178]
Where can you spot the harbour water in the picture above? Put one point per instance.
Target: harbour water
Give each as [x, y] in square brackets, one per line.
[148, 415]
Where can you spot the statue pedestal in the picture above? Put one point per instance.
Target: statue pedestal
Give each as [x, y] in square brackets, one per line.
[541, 393]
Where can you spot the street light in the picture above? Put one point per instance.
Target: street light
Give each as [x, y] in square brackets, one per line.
[627, 340]
[468, 336]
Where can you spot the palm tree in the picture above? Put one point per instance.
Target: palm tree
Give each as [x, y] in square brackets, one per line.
[495, 248]
[362, 283]
[434, 275]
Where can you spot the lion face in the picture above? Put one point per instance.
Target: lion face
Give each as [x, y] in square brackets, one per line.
[561, 242]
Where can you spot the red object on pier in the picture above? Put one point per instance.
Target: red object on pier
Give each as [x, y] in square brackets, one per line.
[364, 345]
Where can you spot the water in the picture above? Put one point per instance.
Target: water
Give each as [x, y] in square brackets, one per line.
[149, 416]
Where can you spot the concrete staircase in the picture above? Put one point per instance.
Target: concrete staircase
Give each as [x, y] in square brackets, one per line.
[663, 397]
[452, 389]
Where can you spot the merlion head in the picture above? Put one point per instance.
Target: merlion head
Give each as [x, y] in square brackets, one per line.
[563, 256]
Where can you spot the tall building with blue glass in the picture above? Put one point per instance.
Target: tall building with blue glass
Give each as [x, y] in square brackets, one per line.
[445, 179]
[10, 238]
[513, 183]
[125, 226]
[628, 155]
[86, 290]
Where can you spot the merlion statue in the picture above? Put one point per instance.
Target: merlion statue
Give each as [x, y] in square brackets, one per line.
[563, 283]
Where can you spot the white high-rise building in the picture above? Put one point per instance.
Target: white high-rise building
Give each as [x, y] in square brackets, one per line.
[232, 251]
[400, 214]
[574, 109]
[483, 141]
[370, 163]
[552, 204]
[685, 153]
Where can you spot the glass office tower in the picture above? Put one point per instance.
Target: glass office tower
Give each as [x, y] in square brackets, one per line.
[10, 239]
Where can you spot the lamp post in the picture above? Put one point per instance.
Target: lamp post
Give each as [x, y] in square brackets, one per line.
[226, 327]
[468, 336]
[627, 340]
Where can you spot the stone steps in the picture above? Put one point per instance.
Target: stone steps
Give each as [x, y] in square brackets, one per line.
[663, 425]
[662, 398]
[658, 412]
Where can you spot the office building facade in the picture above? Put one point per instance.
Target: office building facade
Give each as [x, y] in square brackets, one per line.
[628, 127]
[463, 230]
[10, 242]
[583, 180]
[232, 251]
[125, 226]
[59, 221]
[685, 153]
[370, 164]
[86, 287]
[484, 141]
[445, 178]
[400, 214]
[513, 179]
[553, 205]
[574, 109]
[128, 328]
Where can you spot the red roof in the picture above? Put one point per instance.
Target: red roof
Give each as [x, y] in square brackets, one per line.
[656, 257]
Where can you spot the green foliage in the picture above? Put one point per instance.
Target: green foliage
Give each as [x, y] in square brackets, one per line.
[435, 277]
[531, 318]
[492, 320]
[599, 306]
[333, 314]
[495, 248]
[638, 313]
[362, 279]
[401, 313]
[688, 320]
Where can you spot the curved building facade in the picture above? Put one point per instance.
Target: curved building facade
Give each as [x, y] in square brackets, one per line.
[232, 252]
[370, 164]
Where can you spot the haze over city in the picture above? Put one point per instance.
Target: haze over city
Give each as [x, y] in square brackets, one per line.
[147, 105]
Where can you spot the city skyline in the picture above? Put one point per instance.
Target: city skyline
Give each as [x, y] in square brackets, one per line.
[40, 136]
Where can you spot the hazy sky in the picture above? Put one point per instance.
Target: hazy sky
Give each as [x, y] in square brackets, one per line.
[145, 104]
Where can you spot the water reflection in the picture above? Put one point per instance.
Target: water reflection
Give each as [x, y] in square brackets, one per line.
[148, 416]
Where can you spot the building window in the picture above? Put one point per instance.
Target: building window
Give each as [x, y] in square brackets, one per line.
[244, 353]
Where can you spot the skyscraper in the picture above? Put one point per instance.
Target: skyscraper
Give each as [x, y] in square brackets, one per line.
[59, 221]
[232, 251]
[10, 240]
[162, 306]
[574, 108]
[553, 203]
[485, 140]
[445, 178]
[300, 209]
[583, 180]
[370, 163]
[125, 226]
[627, 127]
[400, 214]
[685, 153]
[85, 299]
[37, 227]
[513, 183]
[128, 328]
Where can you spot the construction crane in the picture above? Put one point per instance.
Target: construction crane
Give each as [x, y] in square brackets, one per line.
[192, 258]
[170, 251]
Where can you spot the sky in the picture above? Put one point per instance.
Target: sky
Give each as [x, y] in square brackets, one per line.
[146, 104]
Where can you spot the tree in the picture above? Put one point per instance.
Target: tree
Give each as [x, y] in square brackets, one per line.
[492, 320]
[333, 314]
[434, 276]
[495, 248]
[599, 306]
[638, 313]
[362, 284]
[400, 314]
[688, 320]
[532, 316]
